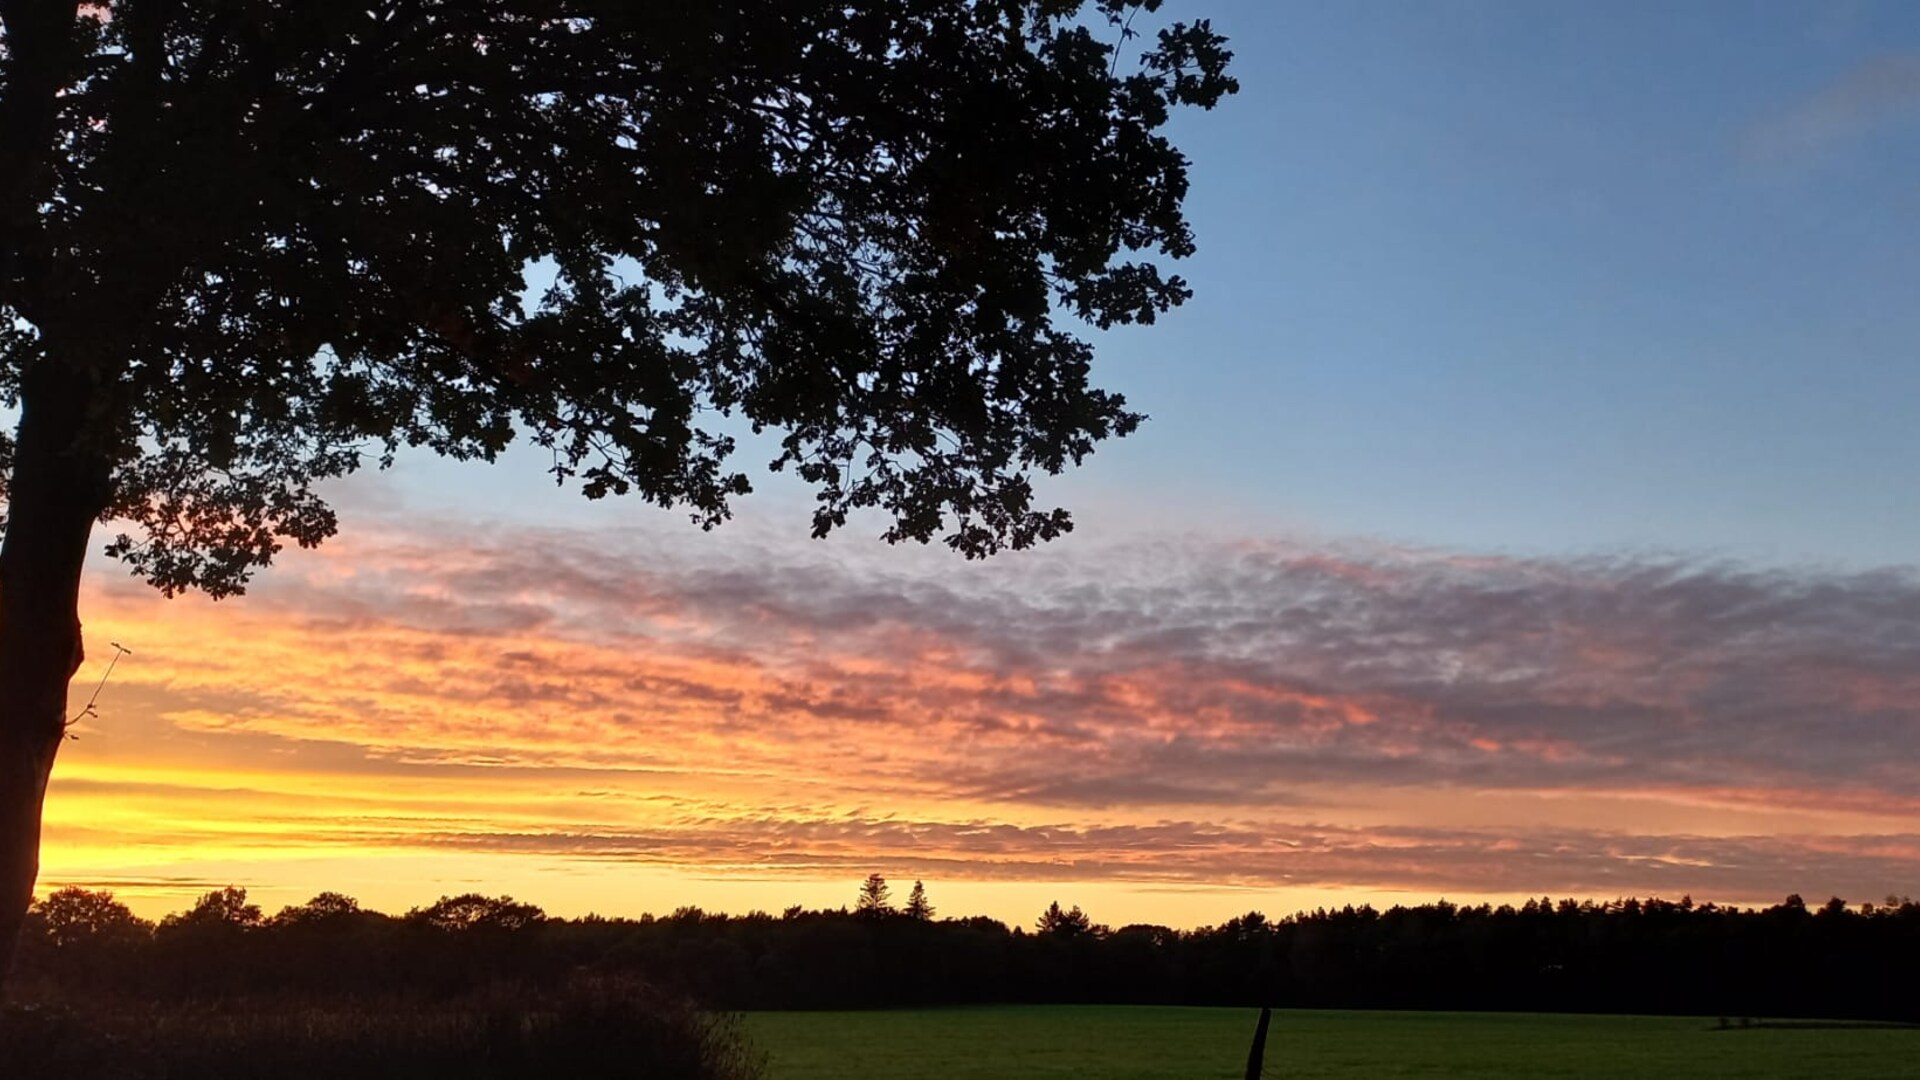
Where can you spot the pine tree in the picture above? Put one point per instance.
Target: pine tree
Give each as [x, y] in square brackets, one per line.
[874, 901]
[917, 906]
[1067, 924]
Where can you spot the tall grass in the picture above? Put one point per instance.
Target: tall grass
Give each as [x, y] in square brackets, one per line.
[591, 1029]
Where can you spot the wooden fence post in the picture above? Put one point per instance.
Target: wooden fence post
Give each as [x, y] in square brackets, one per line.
[1258, 1055]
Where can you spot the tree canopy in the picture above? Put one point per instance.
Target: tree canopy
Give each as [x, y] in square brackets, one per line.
[474, 912]
[265, 242]
[73, 915]
[249, 246]
[225, 908]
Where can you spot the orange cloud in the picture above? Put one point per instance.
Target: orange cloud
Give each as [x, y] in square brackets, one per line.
[1252, 715]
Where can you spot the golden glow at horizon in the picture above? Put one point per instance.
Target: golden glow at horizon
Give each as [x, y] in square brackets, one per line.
[344, 746]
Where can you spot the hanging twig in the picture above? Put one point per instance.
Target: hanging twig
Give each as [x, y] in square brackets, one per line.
[88, 710]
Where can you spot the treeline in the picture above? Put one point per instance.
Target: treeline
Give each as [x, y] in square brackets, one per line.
[1643, 956]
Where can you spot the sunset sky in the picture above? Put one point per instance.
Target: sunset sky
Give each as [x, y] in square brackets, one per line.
[1529, 506]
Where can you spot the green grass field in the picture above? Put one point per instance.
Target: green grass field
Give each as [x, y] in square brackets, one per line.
[1146, 1043]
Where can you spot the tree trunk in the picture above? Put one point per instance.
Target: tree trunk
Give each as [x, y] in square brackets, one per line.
[25, 764]
[59, 483]
[58, 488]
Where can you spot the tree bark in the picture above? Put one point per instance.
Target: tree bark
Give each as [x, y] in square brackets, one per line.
[61, 468]
[58, 488]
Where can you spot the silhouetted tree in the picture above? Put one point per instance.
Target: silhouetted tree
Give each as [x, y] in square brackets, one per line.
[917, 905]
[225, 908]
[88, 937]
[473, 912]
[249, 247]
[207, 948]
[326, 908]
[1639, 955]
[1064, 924]
[874, 899]
[75, 918]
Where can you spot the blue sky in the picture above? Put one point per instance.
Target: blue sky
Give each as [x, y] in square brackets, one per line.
[1540, 277]
[1522, 278]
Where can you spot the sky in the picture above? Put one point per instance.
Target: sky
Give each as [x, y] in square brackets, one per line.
[1526, 508]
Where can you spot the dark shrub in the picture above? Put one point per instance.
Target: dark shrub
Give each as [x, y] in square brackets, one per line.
[593, 1028]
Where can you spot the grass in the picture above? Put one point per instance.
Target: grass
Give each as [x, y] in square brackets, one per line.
[1154, 1043]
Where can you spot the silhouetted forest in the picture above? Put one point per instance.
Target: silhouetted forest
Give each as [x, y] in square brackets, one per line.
[1644, 956]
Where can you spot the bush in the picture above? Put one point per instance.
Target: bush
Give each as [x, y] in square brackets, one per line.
[594, 1028]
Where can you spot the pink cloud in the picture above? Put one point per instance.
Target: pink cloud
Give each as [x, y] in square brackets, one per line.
[1146, 686]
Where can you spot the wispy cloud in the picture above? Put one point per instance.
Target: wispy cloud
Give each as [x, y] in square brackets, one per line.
[1156, 710]
[1881, 90]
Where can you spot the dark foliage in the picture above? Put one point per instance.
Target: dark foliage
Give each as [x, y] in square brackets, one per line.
[272, 240]
[597, 1028]
[249, 246]
[1068, 923]
[1641, 956]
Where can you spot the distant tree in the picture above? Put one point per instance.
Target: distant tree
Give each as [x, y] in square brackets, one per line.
[325, 909]
[1723, 961]
[1251, 926]
[246, 248]
[222, 908]
[474, 912]
[917, 905]
[874, 898]
[74, 917]
[1070, 923]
